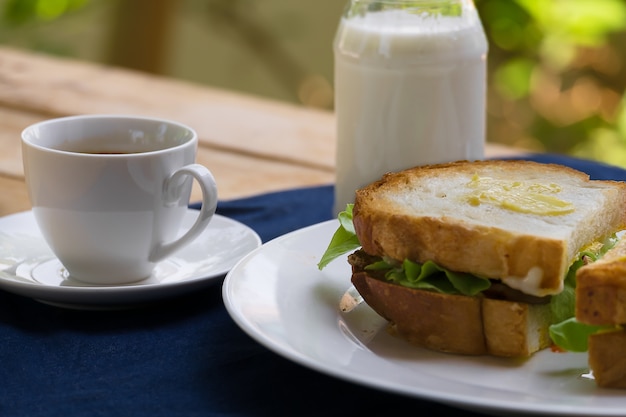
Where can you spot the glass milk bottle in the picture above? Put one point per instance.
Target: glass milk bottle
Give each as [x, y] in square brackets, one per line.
[410, 81]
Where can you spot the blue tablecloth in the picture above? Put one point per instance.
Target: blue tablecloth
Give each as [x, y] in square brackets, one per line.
[185, 356]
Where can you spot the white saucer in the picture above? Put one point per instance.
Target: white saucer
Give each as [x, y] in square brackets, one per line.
[28, 267]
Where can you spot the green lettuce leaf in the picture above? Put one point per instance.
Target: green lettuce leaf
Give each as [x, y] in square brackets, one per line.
[572, 335]
[343, 241]
[566, 332]
[562, 304]
[430, 276]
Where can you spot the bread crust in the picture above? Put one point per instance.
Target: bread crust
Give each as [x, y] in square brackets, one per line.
[393, 218]
[515, 328]
[441, 322]
[607, 360]
[601, 289]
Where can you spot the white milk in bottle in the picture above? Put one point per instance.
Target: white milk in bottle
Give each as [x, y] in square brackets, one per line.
[409, 88]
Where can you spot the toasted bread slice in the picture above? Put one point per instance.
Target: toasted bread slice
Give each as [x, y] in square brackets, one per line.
[488, 218]
[457, 323]
[601, 289]
[607, 360]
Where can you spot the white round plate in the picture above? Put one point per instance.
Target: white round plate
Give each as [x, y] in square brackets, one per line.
[279, 297]
[28, 267]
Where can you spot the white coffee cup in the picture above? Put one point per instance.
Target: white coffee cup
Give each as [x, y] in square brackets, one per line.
[109, 192]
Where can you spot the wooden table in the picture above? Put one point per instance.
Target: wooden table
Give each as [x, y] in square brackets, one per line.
[252, 145]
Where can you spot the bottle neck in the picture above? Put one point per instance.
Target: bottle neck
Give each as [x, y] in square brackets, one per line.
[425, 8]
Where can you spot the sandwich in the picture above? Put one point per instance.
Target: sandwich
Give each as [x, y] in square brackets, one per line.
[477, 258]
[600, 315]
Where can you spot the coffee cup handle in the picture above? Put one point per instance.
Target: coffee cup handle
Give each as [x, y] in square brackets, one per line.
[209, 203]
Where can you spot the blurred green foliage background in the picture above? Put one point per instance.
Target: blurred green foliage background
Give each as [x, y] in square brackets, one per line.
[557, 68]
[557, 75]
